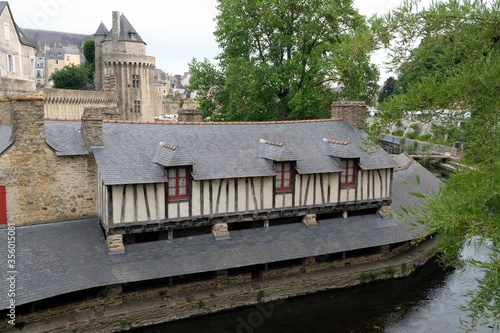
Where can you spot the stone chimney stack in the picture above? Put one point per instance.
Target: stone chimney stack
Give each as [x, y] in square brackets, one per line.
[27, 120]
[92, 127]
[190, 116]
[351, 111]
[116, 26]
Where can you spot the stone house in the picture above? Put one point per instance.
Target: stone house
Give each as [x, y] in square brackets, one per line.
[56, 58]
[17, 63]
[40, 71]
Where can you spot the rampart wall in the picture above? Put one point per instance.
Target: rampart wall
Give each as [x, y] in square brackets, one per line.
[69, 104]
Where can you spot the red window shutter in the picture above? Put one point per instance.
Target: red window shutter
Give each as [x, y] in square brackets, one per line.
[284, 177]
[3, 205]
[348, 172]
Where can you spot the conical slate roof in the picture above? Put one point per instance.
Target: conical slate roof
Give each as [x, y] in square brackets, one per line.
[127, 32]
[101, 30]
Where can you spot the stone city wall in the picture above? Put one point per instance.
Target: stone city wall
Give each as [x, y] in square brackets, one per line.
[172, 105]
[70, 104]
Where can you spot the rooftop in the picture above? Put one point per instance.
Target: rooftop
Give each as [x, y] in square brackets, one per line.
[58, 258]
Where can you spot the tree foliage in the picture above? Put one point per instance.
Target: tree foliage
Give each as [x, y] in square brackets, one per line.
[388, 89]
[88, 50]
[70, 77]
[452, 51]
[285, 60]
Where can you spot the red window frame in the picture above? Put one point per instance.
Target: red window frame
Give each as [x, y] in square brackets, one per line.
[178, 183]
[284, 176]
[348, 177]
[3, 205]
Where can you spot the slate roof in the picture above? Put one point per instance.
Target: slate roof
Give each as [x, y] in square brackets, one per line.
[405, 181]
[40, 38]
[78, 259]
[101, 30]
[276, 151]
[127, 32]
[168, 155]
[65, 138]
[5, 138]
[225, 150]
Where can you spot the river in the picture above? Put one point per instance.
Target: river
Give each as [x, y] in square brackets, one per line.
[427, 301]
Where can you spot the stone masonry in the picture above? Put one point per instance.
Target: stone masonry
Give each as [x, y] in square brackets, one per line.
[353, 112]
[42, 187]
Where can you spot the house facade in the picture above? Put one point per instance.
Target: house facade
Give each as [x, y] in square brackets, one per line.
[56, 58]
[17, 63]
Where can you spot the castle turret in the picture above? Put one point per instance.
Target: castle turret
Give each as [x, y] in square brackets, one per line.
[99, 36]
[127, 70]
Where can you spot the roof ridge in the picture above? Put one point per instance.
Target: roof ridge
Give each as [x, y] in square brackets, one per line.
[407, 164]
[223, 123]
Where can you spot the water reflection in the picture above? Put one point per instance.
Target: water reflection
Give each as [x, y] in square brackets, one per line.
[427, 301]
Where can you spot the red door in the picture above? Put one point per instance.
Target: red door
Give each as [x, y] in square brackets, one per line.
[3, 206]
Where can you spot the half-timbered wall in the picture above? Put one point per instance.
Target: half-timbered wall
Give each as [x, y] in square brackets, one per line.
[133, 204]
[141, 203]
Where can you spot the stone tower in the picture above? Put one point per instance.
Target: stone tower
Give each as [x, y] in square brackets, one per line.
[122, 66]
[99, 36]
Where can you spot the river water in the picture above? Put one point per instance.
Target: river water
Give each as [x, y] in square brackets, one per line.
[427, 301]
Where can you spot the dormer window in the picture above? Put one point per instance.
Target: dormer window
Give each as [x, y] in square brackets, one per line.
[178, 185]
[132, 34]
[284, 176]
[348, 177]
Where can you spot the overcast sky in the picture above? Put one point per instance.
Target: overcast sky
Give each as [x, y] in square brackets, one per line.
[175, 31]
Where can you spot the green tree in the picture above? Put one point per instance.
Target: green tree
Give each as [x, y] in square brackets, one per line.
[285, 60]
[388, 89]
[70, 77]
[88, 50]
[459, 41]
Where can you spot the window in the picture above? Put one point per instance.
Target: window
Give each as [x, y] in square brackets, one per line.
[348, 177]
[57, 62]
[284, 180]
[38, 73]
[135, 81]
[3, 205]
[11, 68]
[6, 32]
[178, 187]
[137, 106]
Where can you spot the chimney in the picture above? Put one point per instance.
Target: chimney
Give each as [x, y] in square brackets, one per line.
[27, 120]
[190, 116]
[116, 26]
[351, 111]
[92, 127]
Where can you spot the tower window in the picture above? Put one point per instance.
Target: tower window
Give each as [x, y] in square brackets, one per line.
[137, 106]
[135, 81]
